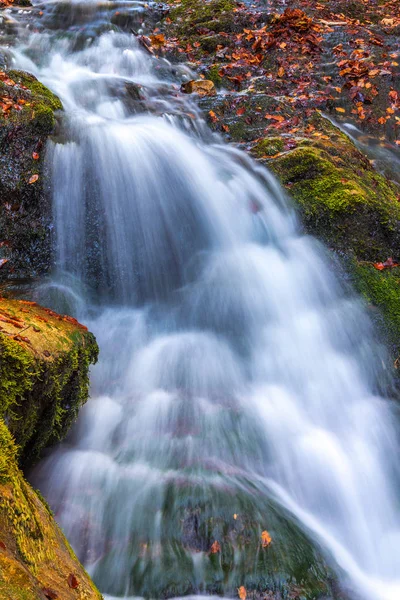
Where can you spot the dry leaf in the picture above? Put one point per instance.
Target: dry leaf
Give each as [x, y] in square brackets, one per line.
[215, 547]
[242, 593]
[266, 539]
[73, 581]
[33, 178]
[203, 87]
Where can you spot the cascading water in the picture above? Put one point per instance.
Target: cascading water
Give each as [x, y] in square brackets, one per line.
[237, 388]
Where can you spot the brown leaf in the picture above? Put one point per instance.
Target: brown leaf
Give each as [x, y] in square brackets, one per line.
[33, 178]
[3, 261]
[203, 87]
[215, 547]
[73, 581]
[157, 41]
[242, 593]
[21, 338]
[2, 545]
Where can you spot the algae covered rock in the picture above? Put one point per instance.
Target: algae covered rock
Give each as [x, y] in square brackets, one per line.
[36, 562]
[44, 363]
[27, 118]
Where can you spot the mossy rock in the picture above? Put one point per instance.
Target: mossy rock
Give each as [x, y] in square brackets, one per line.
[268, 147]
[25, 208]
[44, 363]
[343, 201]
[34, 554]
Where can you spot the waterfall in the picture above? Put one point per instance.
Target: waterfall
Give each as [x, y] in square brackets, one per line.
[239, 383]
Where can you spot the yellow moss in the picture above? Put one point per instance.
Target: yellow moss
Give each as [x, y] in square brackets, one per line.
[36, 554]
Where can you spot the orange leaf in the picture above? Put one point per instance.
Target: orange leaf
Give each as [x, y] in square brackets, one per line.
[213, 116]
[242, 593]
[278, 118]
[33, 178]
[35, 156]
[266, 539]
[339, 109]
[215, 547]
[379, 266]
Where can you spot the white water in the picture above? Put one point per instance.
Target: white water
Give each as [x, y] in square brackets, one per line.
[230, 356]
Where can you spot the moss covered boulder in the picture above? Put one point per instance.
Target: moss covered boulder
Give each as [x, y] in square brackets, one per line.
[44, 362]
[345, 202]
[27, 118]
[36, 562]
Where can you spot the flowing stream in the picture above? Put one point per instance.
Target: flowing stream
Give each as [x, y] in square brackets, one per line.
[239, 386]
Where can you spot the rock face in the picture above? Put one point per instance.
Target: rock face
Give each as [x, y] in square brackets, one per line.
[44, 362]
[27, 118]
[36, 561]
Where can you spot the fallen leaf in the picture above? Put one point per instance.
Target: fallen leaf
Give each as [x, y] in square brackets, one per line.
[203, 87]
[73, 581]
[216, 547]
[266, 539]
[33, 178]
[3, 261]
[157, 41]
[242, 593]
[35, 156]
[2, 545]
[340, 110]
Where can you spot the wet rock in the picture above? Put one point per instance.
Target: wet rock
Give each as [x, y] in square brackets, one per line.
[28, 116]
[34, 554]
[345, 202]
[44, 363]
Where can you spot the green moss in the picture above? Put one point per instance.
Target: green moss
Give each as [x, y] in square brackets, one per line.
[7, 452]
[352, 208]
[36, 88]
[268, 147]
[213, 75]
[216, 15]
[382, 289]
[44, 380]
[341, 198]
